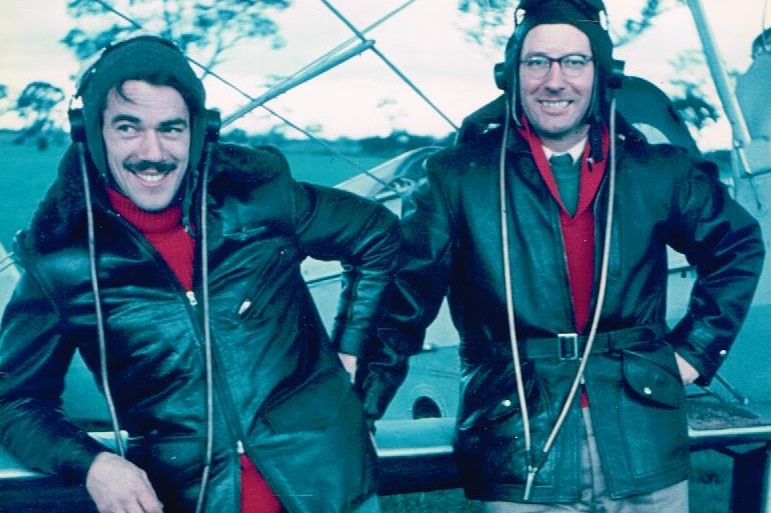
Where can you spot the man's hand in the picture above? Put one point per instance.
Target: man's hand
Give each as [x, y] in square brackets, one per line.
[687, 372]
[349, 362]
[118, 486]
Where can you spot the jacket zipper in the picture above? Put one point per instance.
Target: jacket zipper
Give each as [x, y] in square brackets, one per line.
[231, 418]
[234, 425]
[259, 282]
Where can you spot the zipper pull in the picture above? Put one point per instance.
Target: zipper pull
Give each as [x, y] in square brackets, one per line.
[531, 471]
[246, 305]
[191, 298]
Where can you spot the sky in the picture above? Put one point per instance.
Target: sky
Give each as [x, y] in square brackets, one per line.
[363, 97]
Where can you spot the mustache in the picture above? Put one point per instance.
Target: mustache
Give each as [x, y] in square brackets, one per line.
[161, 166]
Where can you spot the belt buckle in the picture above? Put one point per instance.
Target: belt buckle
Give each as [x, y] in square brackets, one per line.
[567, 346]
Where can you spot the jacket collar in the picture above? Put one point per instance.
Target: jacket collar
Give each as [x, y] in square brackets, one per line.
[60, 216]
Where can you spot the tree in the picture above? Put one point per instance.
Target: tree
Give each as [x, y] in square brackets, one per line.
[490, 21]
[691, 103]
[209, 29]
[3, 98]
[35, 104]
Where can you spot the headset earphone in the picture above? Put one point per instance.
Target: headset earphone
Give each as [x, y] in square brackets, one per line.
[212, 119]
[499, 74]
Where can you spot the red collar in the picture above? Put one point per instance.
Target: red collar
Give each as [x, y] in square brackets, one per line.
[591, 172]
[146, 222]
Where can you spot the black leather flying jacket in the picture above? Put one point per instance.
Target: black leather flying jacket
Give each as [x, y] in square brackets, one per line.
[279, 388]
[452, 247]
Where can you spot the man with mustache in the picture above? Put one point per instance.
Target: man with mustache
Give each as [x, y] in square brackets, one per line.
[171, 262]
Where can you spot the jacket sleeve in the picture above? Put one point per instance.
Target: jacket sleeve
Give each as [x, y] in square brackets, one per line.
[364, 237]
[34, 358]
[724, 244]
[415, 297]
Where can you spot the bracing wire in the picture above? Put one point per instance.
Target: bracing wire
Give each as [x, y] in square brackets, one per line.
[118, 14]
[7, 262]
[206, 69]
[391, 65]
[345, 44]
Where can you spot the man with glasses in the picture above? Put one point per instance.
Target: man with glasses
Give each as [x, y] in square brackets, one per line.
[546, 227]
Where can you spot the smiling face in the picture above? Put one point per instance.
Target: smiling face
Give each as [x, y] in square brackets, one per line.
[146, 132]
[556, 104]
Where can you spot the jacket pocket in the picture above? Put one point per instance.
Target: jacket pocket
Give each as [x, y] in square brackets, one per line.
[489, 442]
[495, 411]
[491, 396]
[653, 377]
[270, 277]
[652, 413]
[315, 405]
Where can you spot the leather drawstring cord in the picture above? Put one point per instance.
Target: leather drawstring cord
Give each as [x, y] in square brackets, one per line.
[101, 335]
[534, 466]
[207, 334]
[521, 395]
[97, 302]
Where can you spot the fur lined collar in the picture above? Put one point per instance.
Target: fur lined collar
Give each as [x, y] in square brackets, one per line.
[61, 215]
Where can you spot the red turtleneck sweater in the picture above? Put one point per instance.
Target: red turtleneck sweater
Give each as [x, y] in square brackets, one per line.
[165, 232]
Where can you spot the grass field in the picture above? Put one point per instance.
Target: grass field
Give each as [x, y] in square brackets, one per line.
[26, 174]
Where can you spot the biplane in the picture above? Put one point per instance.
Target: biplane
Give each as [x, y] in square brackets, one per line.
[414, 438]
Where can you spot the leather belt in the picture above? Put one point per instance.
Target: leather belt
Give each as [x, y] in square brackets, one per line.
[568, 346]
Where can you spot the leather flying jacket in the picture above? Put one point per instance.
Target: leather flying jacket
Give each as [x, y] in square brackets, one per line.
[452, 247]
[280, 392]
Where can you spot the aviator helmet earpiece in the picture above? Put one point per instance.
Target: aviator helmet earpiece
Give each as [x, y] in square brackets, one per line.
[591, 18]
[148, 58]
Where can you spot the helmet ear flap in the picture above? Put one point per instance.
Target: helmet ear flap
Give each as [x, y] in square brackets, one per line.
[213, 125]
[77, 124]
[499, 73]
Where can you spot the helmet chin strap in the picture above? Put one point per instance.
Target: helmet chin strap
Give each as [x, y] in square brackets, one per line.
[533, 465]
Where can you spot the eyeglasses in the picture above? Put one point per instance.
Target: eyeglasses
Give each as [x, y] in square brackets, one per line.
[572, 65]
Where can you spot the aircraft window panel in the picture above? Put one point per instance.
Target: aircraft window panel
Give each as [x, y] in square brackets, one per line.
[676, 261]
[442, 333]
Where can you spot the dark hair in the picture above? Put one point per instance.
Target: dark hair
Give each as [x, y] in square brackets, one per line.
[147, 58]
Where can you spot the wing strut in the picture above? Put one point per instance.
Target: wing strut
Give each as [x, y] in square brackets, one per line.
[388, 63]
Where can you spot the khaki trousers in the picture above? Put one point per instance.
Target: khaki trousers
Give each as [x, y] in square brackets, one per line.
[594, 496]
